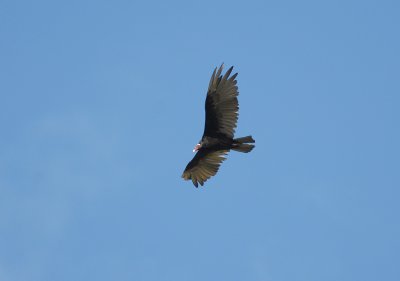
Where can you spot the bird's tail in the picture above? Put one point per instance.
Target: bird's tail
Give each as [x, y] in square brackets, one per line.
[242, 144]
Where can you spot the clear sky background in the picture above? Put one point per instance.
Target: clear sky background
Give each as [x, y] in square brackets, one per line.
[101, 103]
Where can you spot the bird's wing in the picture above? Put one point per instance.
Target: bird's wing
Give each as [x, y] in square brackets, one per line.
[221, 104]
[204, 165]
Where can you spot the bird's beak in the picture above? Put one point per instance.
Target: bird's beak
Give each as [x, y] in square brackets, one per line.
[197, 147]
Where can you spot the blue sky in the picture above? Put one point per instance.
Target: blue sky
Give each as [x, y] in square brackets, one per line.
[102, 103]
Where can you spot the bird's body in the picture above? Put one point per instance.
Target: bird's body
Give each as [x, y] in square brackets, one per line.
[221, 108]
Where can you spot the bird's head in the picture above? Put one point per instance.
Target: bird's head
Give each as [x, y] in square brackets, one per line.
[197, 147]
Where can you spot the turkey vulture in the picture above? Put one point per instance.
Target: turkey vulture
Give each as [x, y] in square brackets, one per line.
[221, 117]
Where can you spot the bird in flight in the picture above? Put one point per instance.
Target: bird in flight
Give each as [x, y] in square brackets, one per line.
[218, 138]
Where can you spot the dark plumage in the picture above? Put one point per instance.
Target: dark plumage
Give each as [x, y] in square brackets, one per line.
[218, 138]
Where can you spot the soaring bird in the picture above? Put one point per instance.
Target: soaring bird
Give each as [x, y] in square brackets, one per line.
[218, 138]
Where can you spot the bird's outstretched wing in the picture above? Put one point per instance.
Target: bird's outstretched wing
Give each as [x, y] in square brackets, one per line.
[221, 104]
[204, 165]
